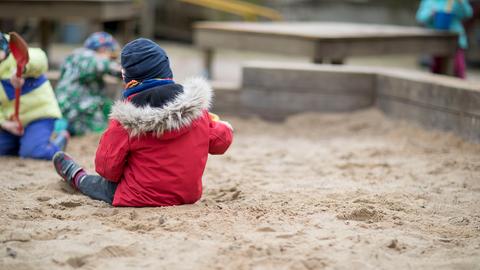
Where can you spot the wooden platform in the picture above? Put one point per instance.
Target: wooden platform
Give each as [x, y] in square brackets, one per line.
[321, 41]
[96, 11]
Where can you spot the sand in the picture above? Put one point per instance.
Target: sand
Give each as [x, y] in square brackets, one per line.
[340, 191]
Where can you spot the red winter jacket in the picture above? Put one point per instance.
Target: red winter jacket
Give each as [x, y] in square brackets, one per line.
[157, 143]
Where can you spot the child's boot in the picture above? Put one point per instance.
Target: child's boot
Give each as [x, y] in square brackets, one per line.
[66, 167]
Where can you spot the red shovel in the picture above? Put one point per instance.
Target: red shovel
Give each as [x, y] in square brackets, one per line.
[19, 49]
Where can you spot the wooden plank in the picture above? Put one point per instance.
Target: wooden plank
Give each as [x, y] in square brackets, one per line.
[342, 48]
[227, 101]
[331, 80]
[275, 88]
[261, 43]
[321, 30]
[100, 10]
[260, 100]
[466, 126]
[431, 91]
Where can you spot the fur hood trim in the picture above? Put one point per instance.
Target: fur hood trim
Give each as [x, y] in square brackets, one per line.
[178, 113]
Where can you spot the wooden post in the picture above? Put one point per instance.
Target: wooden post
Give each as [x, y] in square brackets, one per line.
[448, 65]
[147, 19]
[95, 26]
[317, 60]
[208, 62]
[127, 29]
[338, 61]
[46, 29]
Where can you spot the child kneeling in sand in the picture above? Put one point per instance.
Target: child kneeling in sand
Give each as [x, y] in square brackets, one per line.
[155, 148]
[38, 107]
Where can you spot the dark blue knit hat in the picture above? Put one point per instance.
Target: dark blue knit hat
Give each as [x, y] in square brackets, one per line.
[143, 59]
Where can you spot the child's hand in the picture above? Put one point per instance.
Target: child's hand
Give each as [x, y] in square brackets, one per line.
[227, 124]
[16, 81]
[12, 127]
[216, 118]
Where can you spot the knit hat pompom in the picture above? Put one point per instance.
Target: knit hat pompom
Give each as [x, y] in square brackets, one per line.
[143, 59]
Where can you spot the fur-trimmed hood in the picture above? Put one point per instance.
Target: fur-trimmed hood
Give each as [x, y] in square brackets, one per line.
[180, 112]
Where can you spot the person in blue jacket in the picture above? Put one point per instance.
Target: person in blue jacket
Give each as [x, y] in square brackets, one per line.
[459, 10]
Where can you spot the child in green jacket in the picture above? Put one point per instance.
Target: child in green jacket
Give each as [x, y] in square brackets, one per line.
[38, 107]
[81, 89]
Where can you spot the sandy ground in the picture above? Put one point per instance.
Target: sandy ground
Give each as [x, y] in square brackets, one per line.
[342, 191]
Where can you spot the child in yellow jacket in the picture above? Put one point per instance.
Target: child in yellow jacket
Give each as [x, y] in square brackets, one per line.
[38, 107]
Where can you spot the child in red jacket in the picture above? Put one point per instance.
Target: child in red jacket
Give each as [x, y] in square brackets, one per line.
[155, 148]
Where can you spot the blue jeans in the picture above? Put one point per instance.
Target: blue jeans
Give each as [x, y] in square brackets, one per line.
[98, 188]
[34, 143]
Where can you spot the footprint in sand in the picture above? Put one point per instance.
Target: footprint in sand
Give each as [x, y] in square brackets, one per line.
[265, 229]
[459, 221]
[106, 252]
[225, 195]
[115, 252]
[313, 263]
[64, 204]
[70, 204]
[105, 212]
[140, 227]
[395, 245]
[362, 214]
[17, 236]
[132, 221]
[77, 261]
[43, 198]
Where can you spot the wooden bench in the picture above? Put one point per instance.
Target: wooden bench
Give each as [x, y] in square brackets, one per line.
[95, 11]
[321, 41]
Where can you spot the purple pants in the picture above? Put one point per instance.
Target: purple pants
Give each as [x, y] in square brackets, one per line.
[460, 68]
[35, 142]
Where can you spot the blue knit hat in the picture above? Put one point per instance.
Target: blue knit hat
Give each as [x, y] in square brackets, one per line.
[143, 59]
[101, 39]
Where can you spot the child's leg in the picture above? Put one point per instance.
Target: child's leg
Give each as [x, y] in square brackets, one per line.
[97, 187]
[9, 144]
[460, 66]
[35, 142]
[437, 64]
[94, 186]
